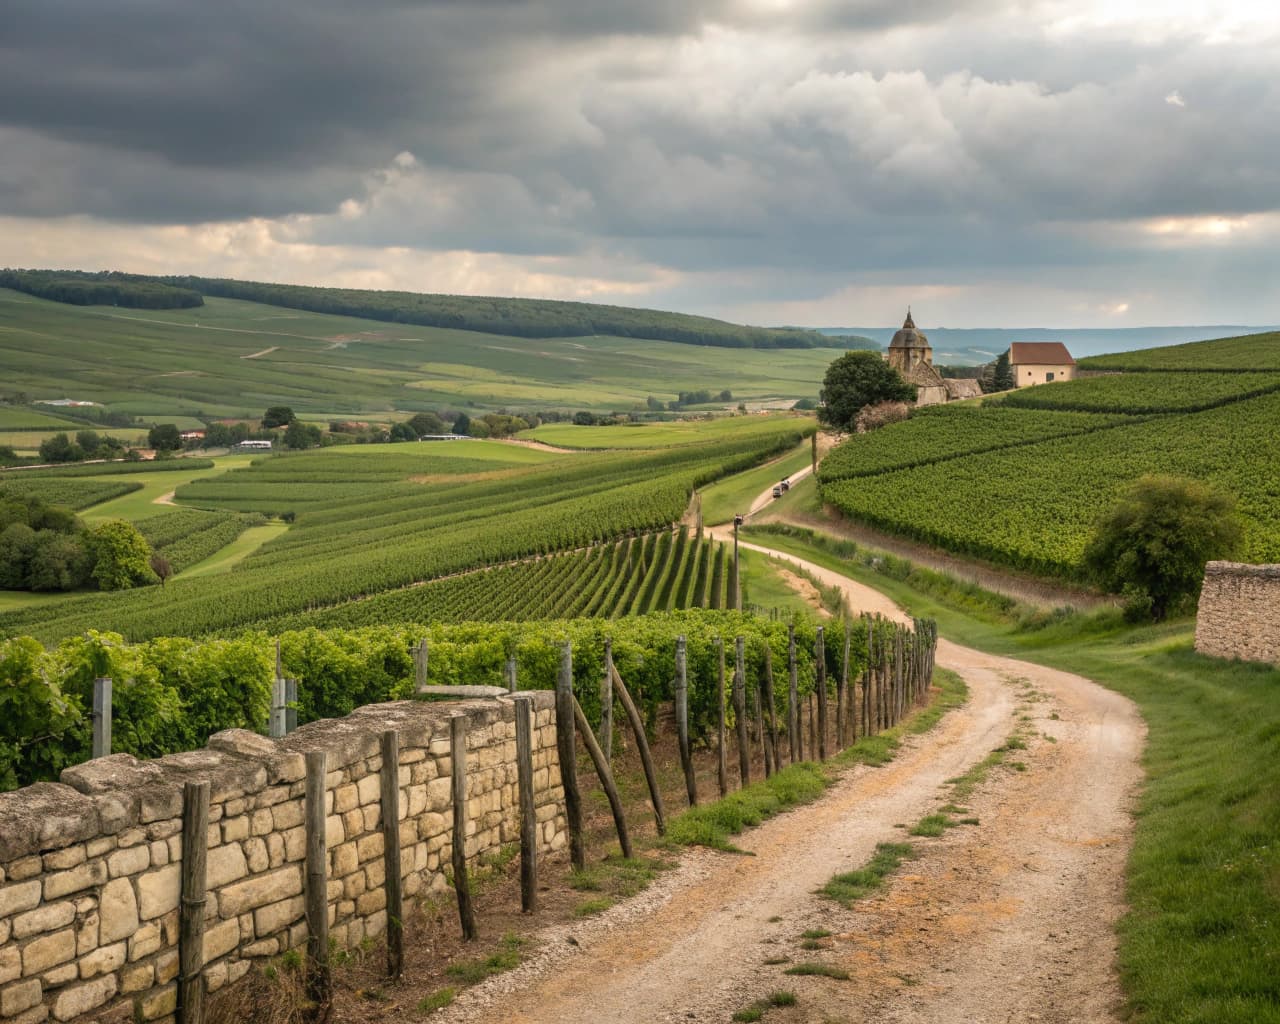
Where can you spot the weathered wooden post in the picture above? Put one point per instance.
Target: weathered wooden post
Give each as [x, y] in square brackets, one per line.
[767, 739]
[606, 702]
[722, 767]
[458, 789]
[290, 705]
[844, 702]
[771, 708]
[740, 710]
[682, 721]
[319, 979]
[276, 726]
[528, 812]
[195, 848]
[793, 698]
[821, 683]
[101, 717]
[512, 682]
[606, 777]
[565, 747]
[642, 745]
[389, 791]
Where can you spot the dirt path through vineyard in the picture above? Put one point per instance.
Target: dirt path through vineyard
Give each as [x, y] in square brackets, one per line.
[1010, 919]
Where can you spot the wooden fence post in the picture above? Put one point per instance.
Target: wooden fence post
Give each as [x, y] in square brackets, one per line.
[319, 980]
[793, 698]
[195, 847]
[420, 655]
[389, 780]
[642, 745]
[740, 710]
[844, 701]
[821, 684]
[528, 812]
[568, 757]
[771, 708]
[458, 789]
[606, 703]
[511, 673]
[682, 721]
[101, 717]
[277, 723]
[722, 767]
[606, 777]
[767, 739]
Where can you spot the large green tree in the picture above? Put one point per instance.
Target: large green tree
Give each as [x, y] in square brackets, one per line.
[1152, 546]
[1002, 375]
[277, 416]
[164, 437]
[856, 380]
[121, 555]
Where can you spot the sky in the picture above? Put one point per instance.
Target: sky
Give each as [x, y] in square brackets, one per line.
[1062, 163]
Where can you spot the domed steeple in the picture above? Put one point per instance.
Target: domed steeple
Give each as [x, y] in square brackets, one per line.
[909, 337]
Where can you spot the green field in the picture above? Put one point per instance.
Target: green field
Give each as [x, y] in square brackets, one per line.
[1244, 354]
[235, 358]
[733, 495]
[142, 502]
[662, 435]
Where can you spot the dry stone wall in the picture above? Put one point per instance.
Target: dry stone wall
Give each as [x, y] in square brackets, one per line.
[1239, 614]
[90, 869]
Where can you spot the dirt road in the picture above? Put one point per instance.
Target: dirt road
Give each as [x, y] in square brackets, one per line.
[1010, 919]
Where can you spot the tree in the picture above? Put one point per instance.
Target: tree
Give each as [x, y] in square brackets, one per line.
[1152, 546]
[17, 545]
[855, 380]
[60, 448]
[1002, 377]
[403, 432]
[164, 437]
[426, 423]
[89, 442]
[161, 567]
[462, 425]
[584, 419]
[277, 416]
[58, 562]
[299, 435]
[121, 556]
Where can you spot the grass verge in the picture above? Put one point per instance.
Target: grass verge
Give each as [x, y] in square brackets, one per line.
[850, 886]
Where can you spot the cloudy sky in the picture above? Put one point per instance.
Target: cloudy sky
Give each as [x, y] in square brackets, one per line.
[1031, 162]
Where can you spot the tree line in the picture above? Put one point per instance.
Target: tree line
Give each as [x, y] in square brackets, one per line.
[107, 288]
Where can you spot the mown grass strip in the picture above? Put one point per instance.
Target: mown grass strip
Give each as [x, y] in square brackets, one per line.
[712, 824]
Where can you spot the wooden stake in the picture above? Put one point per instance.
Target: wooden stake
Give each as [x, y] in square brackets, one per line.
[319, 980]
[528, 812]
[771, 707]
[606, 703]
[568, 757]
[420, 656]
[195, 846]
[458, 790]
[682, 721]
[821, 683]
[740, 711]
[843, 703]
[793, 698]
[642, 745]
[722, 767]
[277, 725]
[606, 777]
[101, 742]
[389, 786]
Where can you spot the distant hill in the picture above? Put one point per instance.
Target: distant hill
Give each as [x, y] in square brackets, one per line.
[521, 318]
[972, 346]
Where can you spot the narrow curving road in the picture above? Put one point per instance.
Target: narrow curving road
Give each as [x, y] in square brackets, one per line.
[1008, 919]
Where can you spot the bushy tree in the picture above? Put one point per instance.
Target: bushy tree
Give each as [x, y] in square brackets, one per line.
[1152, 546]
[855, 380]
[462, 425]
[60, 448]
[277, 416]
[426, 423]
[402, 432]
[121, 555]
[164, 437]
[1002, 375]
[299, 435]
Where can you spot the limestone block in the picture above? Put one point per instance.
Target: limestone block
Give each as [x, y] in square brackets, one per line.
[288, 768]
[144, 941]
[175, 847]
[295, 844]
[353, 885]
[59, 976]
[86, 931]
[276, 916]
[159, 853]
[261, 822]
[416, 800]
[103, 960]
[67, 857]
[368, 790]
[117, 911]
[160, 1003]
[235, 829]
[215, 977]
[19, 997]
[353, 823]
[136, 977]
[288, 815]
[263, 947]
[158, 891]
[65, 882]
[345, 798]
[225, 864]
[256, 852]
[24, 868]
[10, 964]
[260, 890]
[40, 954]
[271, 796]
[80, 999]
[167, 966]
[334, 832]
[372, 817]
[438, 794]
[221, 939]
[376, 874]
[128, 861]
[376, 923]
[345, 860]
[433, 825]
[275, 850]
[17, 898]
[370, 846]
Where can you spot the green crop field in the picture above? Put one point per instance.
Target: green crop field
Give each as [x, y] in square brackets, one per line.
[1020, 481]
[235, 358]
[21, 418]
[661, 435]
[1248, 353]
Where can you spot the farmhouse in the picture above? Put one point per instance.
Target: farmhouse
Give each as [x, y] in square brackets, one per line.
[1039, 362]
[912, 356]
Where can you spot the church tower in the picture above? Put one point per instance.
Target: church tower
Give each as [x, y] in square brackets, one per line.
[909, 349]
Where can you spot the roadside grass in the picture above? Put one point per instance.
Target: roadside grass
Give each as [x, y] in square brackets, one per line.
[472, 972]
[951, 692]
[816, 970]
[726, 498]
[848, 887]
[712, 824]
[1201, 942]
[438, 1000]
[760, 1007]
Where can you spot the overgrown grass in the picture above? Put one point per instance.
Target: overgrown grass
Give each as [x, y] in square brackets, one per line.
[712, 824]
[438, 1000]
[472, 972]
[760, 1007]
[1201, 942]
[817, 970]
[881, 748]
[850, 886]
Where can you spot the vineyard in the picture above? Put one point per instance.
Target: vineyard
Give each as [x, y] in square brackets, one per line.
[388, 517]
[171, 693]
[1145, 393]
[188, 536]
[1236, 355]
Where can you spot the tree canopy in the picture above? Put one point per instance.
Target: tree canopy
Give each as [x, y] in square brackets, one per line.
[1152, 546]
[856, 380]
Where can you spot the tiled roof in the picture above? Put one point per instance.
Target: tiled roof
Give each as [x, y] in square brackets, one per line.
[1040, 353]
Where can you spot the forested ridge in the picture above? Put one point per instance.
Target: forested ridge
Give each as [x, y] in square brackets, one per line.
[526, 318]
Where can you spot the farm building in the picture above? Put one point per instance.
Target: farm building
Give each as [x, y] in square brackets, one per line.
[254, 446]
[912, 356]
[1039, 362]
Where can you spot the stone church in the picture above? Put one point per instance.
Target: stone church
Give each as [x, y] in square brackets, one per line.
[912, 356]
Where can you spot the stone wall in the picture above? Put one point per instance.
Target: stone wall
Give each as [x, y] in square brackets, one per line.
[1239, 615]
[90, 868]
